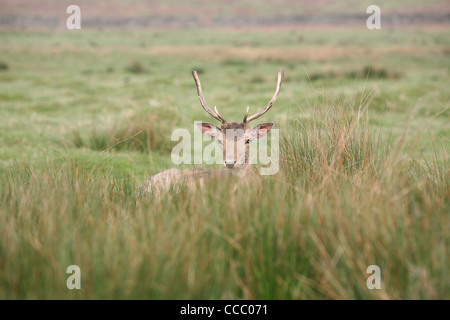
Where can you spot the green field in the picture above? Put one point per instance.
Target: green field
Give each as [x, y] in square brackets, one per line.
[87, 116]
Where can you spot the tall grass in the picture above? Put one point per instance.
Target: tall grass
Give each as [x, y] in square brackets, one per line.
[343, 199]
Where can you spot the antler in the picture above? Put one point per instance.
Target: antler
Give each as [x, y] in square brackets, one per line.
[213, 114]
[271, 102]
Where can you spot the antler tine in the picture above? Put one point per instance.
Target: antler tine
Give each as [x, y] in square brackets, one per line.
[218, 114]
[271, 102]
[246, 115]
[215, 115]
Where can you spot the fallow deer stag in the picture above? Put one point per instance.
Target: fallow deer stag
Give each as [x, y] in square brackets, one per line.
[233, 137]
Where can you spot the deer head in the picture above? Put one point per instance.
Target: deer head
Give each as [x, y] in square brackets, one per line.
[235, 137]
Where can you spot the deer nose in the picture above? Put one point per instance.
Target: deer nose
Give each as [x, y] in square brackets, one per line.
[230, 164]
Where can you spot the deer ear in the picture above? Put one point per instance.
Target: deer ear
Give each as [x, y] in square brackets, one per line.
[209, 129]
[261, 130]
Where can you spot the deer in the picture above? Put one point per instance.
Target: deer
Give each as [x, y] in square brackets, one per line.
[234, 139]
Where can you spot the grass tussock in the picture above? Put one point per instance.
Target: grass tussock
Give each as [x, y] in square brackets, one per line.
[135, 131]
[4, 66]
[136, 67]
[342, 201]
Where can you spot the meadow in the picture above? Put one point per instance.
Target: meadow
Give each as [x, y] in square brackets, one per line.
[364, 171]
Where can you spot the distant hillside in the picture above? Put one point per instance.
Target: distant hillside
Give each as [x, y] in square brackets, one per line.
[231, 13]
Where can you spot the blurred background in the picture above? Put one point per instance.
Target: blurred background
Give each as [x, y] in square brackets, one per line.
[126, 73]
[123, 81]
